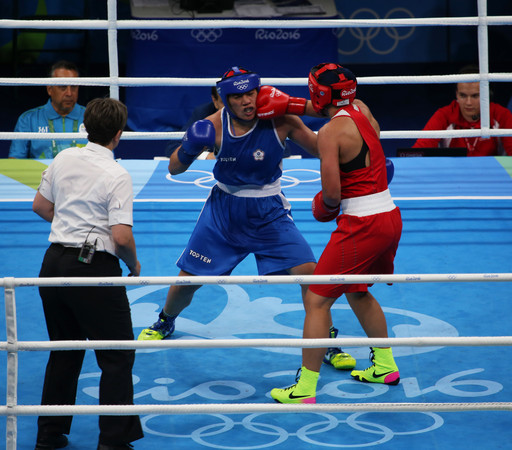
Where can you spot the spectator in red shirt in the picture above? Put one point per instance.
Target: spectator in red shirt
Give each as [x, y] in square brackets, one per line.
[464, 113]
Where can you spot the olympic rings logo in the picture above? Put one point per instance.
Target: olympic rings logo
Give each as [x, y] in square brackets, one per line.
[202, 182]
[208, 180]
[206, 34]
[368, 35]
[314, 433]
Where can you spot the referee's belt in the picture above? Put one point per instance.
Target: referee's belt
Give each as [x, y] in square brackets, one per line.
[75, 251]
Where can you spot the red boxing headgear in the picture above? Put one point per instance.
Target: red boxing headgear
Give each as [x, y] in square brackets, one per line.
[331, 84]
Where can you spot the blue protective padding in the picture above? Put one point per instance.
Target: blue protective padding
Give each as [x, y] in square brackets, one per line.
[439, 236]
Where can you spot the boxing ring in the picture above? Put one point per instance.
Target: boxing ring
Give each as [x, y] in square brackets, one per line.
[191, 392]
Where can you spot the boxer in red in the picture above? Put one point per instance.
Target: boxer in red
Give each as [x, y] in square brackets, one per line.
[355, 180]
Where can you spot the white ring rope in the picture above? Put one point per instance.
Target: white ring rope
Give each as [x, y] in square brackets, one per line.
[288, 81]
[459, 341]
[238, 408]
[257, 279]
[265, 23]
[141, 135]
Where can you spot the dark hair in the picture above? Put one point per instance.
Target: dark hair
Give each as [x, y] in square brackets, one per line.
[63, 64]
[470, 68]
[103, 118]
[467, 70]
[214, 93]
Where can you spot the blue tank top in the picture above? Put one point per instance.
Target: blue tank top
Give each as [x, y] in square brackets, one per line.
[252, 159]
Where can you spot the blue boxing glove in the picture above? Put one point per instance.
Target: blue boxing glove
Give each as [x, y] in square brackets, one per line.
[390, 169]
[199, 135]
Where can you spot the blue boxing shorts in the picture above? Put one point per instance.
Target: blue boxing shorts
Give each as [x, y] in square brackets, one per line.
[231, 227]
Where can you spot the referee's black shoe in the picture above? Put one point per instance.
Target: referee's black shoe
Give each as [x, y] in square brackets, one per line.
[51, 441]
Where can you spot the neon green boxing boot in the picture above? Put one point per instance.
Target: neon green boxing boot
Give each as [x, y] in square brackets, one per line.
[336, 357]
[304, 391]
[383, 370]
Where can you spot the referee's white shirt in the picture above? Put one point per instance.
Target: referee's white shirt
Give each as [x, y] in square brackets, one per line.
[91, 192]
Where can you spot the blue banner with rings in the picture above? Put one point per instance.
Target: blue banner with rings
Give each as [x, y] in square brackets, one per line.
[208, 53]
[420, 44]
[391, 44]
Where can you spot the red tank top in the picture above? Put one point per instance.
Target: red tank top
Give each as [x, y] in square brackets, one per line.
[366, 180]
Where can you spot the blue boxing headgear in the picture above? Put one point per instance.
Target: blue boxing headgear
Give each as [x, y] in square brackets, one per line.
[237, 80]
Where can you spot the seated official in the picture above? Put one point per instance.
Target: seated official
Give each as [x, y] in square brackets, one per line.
[61, 114]
[463, 113]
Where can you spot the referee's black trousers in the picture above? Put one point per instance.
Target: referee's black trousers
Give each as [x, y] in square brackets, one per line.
[94, 313]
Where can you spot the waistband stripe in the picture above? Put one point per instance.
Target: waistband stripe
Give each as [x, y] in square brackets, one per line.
[367, 205]
[267, 190]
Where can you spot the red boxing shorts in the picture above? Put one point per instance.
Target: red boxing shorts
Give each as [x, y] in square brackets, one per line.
[359, 246]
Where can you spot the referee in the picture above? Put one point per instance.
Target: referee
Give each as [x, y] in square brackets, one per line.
[88, 198]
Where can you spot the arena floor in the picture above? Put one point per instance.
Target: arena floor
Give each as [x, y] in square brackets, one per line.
[457, 215]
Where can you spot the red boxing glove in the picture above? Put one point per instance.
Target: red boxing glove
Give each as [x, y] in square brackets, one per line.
[321, 211]
[272, 102]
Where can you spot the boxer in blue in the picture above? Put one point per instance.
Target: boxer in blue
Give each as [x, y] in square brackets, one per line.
[246, 212]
